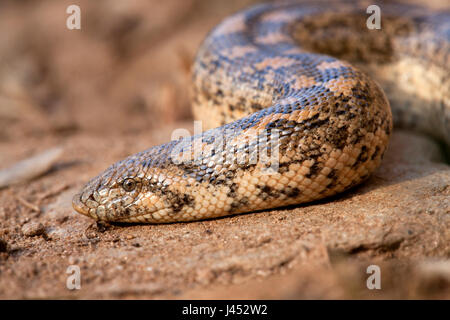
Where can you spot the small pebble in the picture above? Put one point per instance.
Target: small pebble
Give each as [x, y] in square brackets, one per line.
[32, 229]
[204, 276]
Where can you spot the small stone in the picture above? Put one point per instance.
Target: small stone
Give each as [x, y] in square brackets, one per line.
[32, 229]
[204, 276]
[56, 233]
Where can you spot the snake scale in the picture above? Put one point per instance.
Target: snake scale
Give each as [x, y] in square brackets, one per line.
[291, 113]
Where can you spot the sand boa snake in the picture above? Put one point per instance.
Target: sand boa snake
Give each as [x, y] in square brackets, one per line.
[287, 126]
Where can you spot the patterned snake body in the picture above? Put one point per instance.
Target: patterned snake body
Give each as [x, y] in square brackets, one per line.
[287, 126]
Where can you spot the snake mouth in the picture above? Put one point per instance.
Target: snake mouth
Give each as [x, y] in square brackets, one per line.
[78, 205]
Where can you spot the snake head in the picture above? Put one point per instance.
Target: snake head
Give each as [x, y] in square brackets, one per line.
[114, 194]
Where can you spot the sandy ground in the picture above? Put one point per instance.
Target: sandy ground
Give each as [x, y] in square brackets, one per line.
[118, 86]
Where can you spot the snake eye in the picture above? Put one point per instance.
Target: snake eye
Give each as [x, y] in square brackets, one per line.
[128, 185]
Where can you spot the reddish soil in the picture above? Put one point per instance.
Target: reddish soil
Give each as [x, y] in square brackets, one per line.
[118, 86]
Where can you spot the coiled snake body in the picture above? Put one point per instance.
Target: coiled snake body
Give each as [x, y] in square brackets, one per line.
[287, 126]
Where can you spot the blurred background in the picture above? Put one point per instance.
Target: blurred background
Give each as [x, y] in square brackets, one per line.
[126, 70]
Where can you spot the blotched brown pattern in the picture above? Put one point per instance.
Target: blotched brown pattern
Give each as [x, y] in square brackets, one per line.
[254, 76]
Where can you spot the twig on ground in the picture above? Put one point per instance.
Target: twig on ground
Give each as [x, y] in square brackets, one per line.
[29, 168]
[27, 204]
